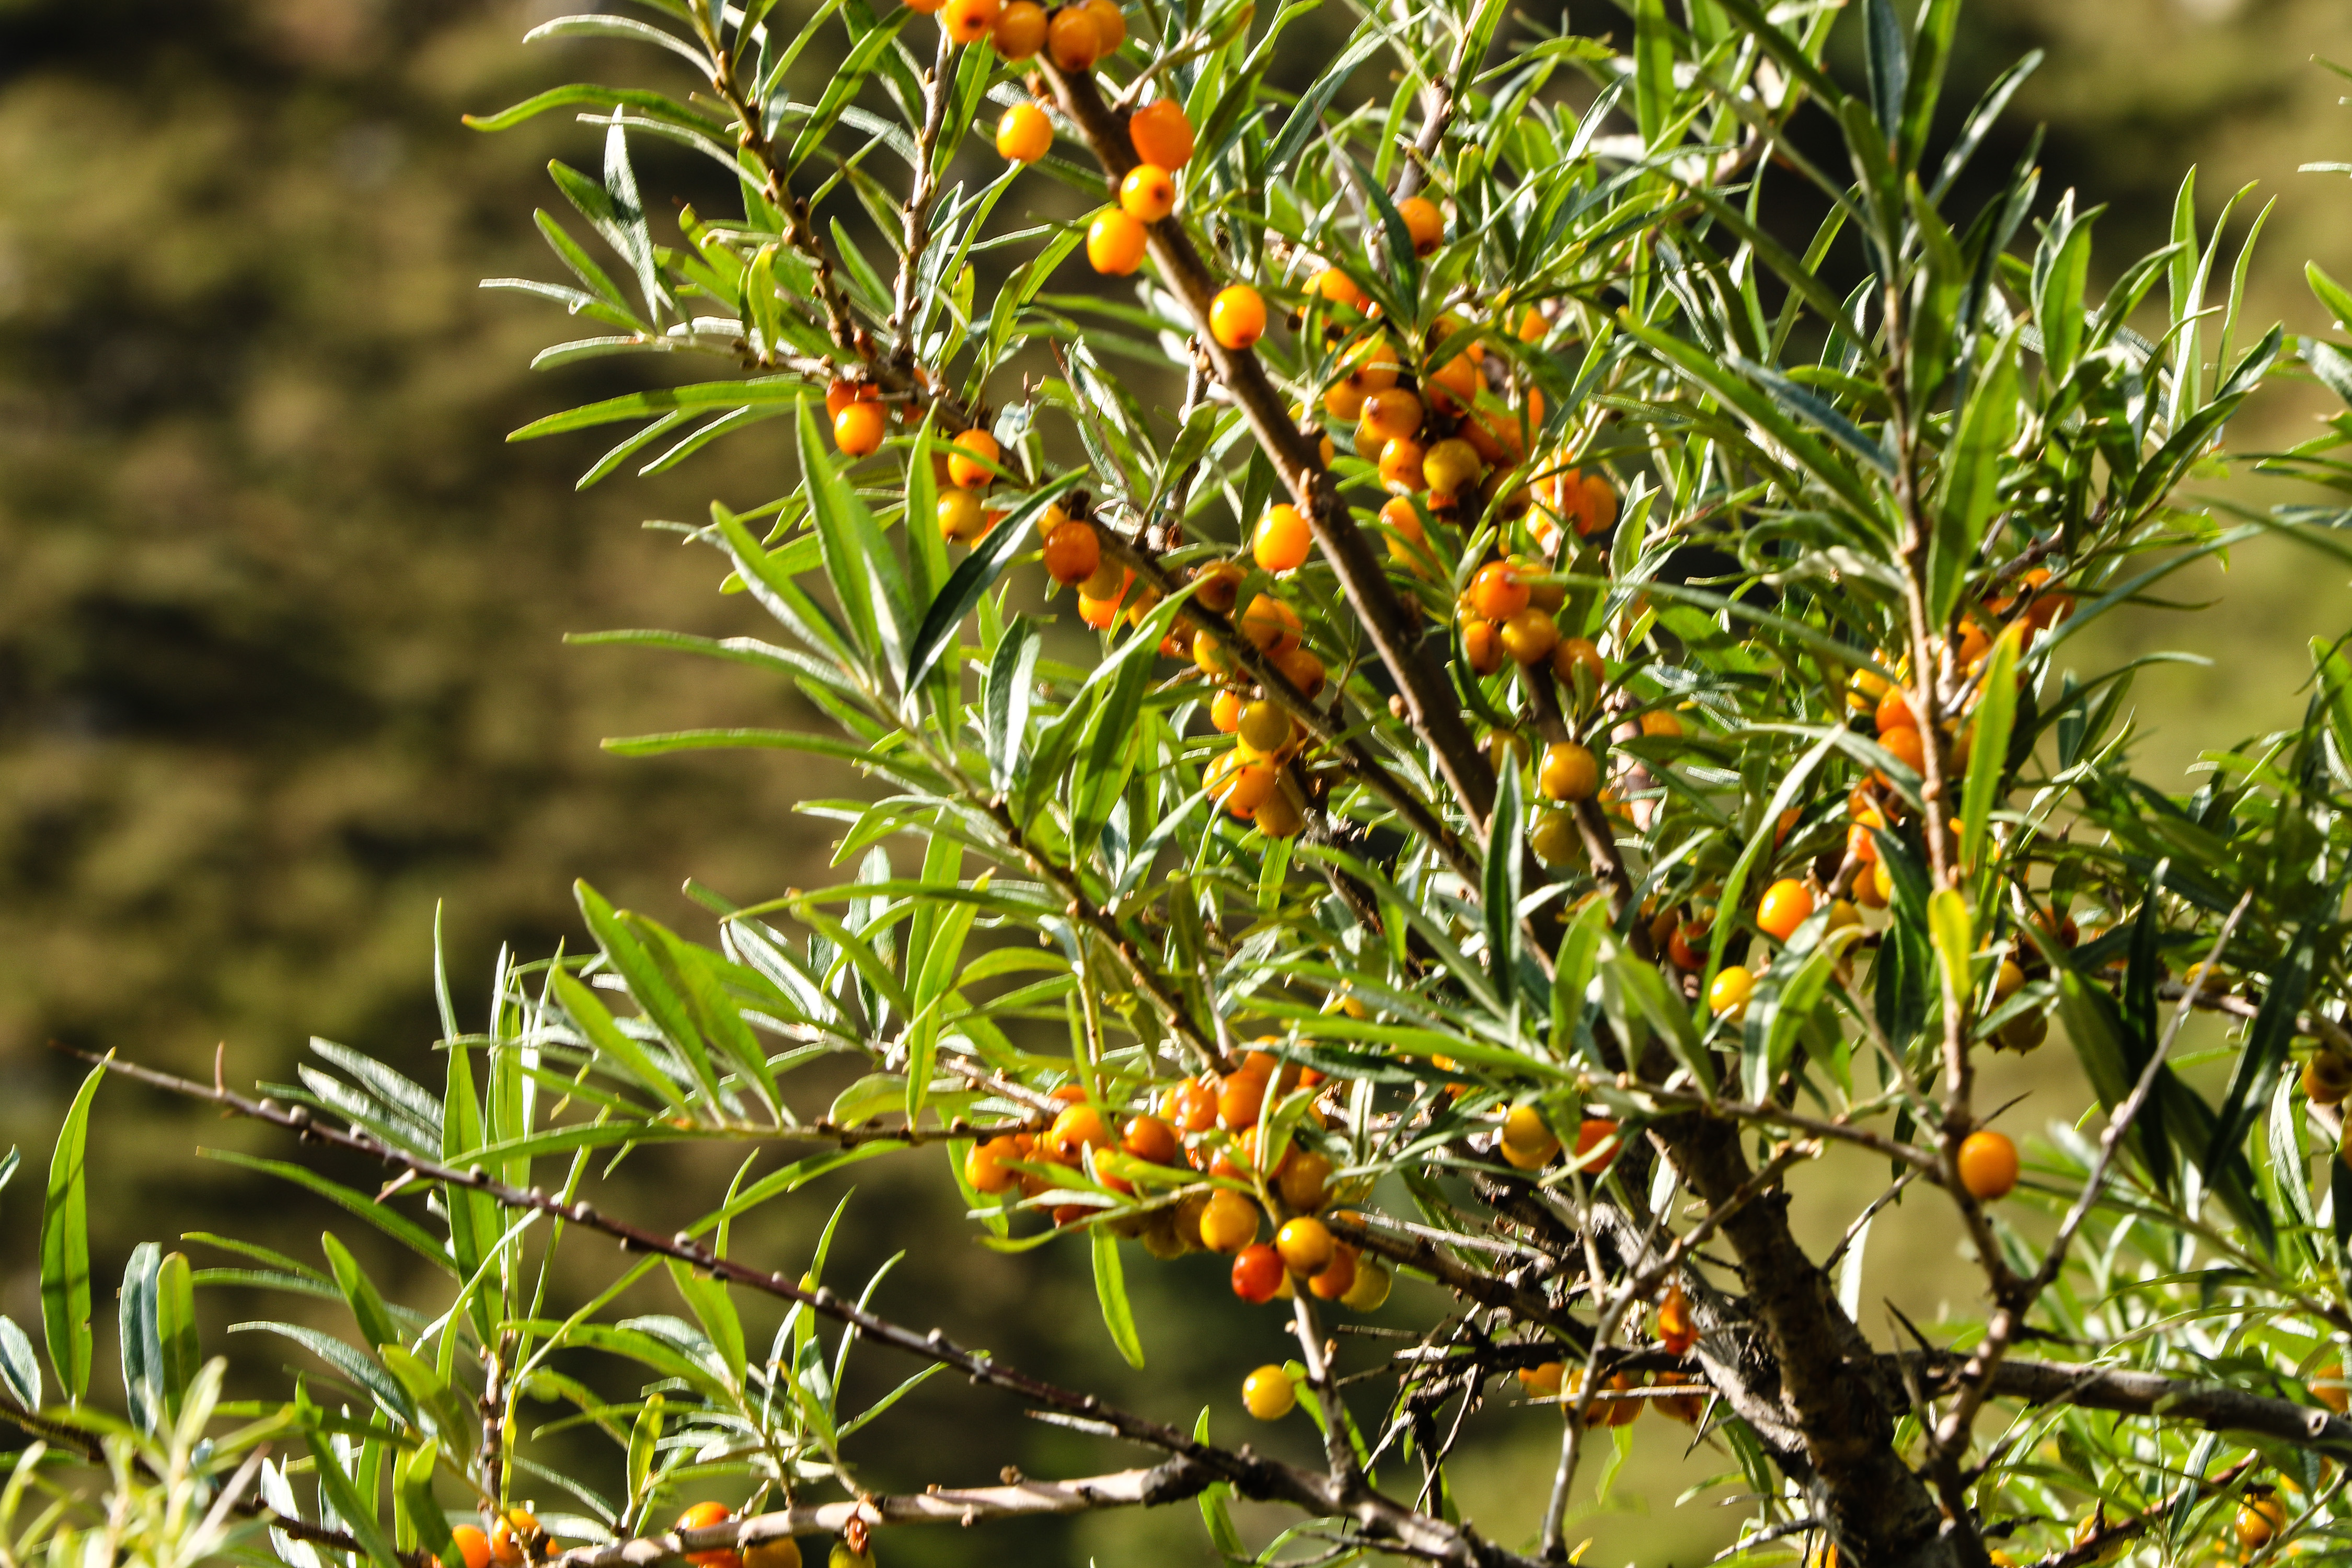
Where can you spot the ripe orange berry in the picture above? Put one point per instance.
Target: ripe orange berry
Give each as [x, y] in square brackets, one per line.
[1785, 906]
[1220, 585]
[1894, 712]
[1160, 134]
[1423, 222]
[1482, 646]
[968, 460]
[1271, 625]
[1590, 1134]
[984, 1165]
[1676, 1333]
[858, 428]
[1281, 542]
[1727, 993]
[473, 1547]
[1148, 193]
[1408, 541]
[1337, 1278]
[1342, 401]
[1452, 466]
[1371, 366]
[1530, 636]
[1392, 412]
[1337, 289]
[1074, 39]
[1268, 1393]
[1988, 1165]
[2326, 1078]
[1497, 591]
[1257, 1272]
[1906, 747]
[1237, 316]
[961, 517]
[1192, 1105]
[1072, 553]
[1229, 1222]
[1115, 242]
[702, 1516]
[2327, 1386]
[840, 394]
[1110, 25]
[2259, 1519]
[1573, 654]
[1685, 1409]
[1020, 31]
[1659, 722]
[1226, 710]
[1305, 1181]
[1569, 773]
[968, 21]
[1306, 1245]
[1239, 1097]
[1080, 1125]
[1150, 1139]
[1024, 134]
[1595, 505]
[783, 1552]
[1248, 785]
[512, 1537]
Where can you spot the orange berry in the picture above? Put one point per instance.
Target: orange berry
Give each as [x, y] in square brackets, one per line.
[1786, 905]
[968, 21]
[1391, 411]
[1727, 993]
[1573, 654]
[1337, 289]
[1454, 385]
[1248, 785]
[984, 1165]
[1268, 1393]
[1190, 1105]
[1150, 1139]
[1530, 636]
[1400, 465]
[1115, 242]
[1257, 1273]
[1281, 542]
[1226, 710]
[1301, 669]
[968, 460]
[1336, 1277]
[858, 428]
[1527, 1141]
[1676, 1333]
[840, 394]
[1271, 625]
[2259, 1519]
[1020, 32]
[702, 1516]
[1024, 134]
[1906, 747]
[1452, 466]
[1237, 316]
[1306, 1245]
[1080, 1125]
[512, 1537]
[1072, 38]
[1229, 1223]
[1590, 1134]
[961, 517]
[1482, 645]
[1408, 541]
[2326, 1078]
[1305, 1181]
[1264, 728]
[473, 1546]
[1110, 25]
[1895, 711]
[1220, 585]
[1423, 222]
[1497, 591]
[1160, 134]
[1073, 553]
[1988, 1165]
[1371, 366]
[1240, 1097]
[1569, 773]
[1148, 193]
[926, 6]
[1661, 723]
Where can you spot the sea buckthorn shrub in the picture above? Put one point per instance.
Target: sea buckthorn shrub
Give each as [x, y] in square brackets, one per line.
[1455, 679]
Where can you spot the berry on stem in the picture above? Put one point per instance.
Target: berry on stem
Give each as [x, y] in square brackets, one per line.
[1115, 242]
[969, 21]
[1148, 193]
[1569, 773]
[1160, 134]
[1281, 542]
[1257, 1273]
[1268, 1393]
[1024, 134]
[1423, 222]
[1727, 993]
[702, 1516]
[1306, 1245]
[1020, 31]
[859, 428]
[970, 459]
[1786, 905]
[1988, 1163]
[1229, 1222]
[473, 1547]
[1074, 38]
[1237, 316]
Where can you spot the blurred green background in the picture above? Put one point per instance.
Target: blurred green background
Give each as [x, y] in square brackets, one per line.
[279, 623]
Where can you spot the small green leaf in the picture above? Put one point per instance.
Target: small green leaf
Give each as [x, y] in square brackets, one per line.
[1654, 69]
[376, 1325]
[1110, 1289]
[1948, 929]
[974, 576]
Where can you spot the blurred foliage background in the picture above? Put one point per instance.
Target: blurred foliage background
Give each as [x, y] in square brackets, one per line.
[280, 614]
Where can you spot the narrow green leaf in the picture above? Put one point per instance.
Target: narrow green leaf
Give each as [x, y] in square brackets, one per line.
[1654, 70]
[1989, 747]
[142, 1348]
[64, 1247]
[1971, 475]
[974, 576]
[376, 1325]
[1110, 1289]
[335, 1487]
[1948, 928]
[706, 1298]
